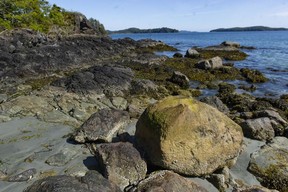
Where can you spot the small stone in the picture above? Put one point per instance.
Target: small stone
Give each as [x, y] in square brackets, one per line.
[192, 53]
[215, 62]
[24, 176]
[177, 55]
[119, 103]
[2, 175]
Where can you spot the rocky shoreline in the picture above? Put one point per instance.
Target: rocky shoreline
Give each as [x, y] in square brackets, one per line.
[73, 111]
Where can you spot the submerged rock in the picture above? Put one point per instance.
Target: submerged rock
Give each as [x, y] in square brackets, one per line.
[168, 181]
[102, 126]
[175, 132]
[24, 176]
[120, 163]
[270, 164]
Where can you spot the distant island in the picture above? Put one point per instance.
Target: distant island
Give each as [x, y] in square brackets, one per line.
[253, 28]
[136, 30]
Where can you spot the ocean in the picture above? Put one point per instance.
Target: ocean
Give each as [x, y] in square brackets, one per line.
[270, 56]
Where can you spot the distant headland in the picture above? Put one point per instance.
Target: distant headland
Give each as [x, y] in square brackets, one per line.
[137, 30]
[253, 28]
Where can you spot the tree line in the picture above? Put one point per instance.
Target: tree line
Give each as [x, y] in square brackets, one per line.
[38, 15]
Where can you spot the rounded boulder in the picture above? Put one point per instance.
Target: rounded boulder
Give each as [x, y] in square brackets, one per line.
[188, 136]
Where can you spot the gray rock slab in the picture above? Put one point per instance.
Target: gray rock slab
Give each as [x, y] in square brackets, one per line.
[102, 126]
[121, 163]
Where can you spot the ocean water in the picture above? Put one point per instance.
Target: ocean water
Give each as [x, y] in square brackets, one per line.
[270, 56]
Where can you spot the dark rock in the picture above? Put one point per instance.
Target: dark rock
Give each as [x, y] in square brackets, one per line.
[192, 53]
[214, 101]
[225, 88]
[92, 181]
[83, 25]
[96, 182]
[24, 176]
[37, 56]
[168, 181]
[110, 80]
[253, 76]
[260, 128]
[180, 79]
[177, 55]
[213, 63]
[269, 164]
[230, 44]
[250, 88]
[102, 126]
[279, 124]
[120, 163]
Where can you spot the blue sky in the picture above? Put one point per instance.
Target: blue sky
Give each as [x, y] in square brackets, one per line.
[192, 15]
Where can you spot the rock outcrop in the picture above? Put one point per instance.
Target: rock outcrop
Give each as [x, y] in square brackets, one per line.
[187, 136]
[270, 164]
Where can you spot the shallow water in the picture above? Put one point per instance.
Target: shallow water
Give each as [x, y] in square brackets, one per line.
[270, 55]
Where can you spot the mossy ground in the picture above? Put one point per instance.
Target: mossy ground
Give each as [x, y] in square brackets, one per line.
[227, 55]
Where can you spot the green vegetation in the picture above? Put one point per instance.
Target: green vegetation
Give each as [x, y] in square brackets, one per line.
[136, 30]
[253, 28]
[38, 15]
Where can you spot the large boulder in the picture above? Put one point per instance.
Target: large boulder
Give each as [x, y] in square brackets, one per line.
[120, 162]
[102, 126]
[187, 136]
[270, 164]
[168, 181]
[213, 63]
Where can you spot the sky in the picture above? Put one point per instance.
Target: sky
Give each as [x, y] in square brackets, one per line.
[191, 15]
